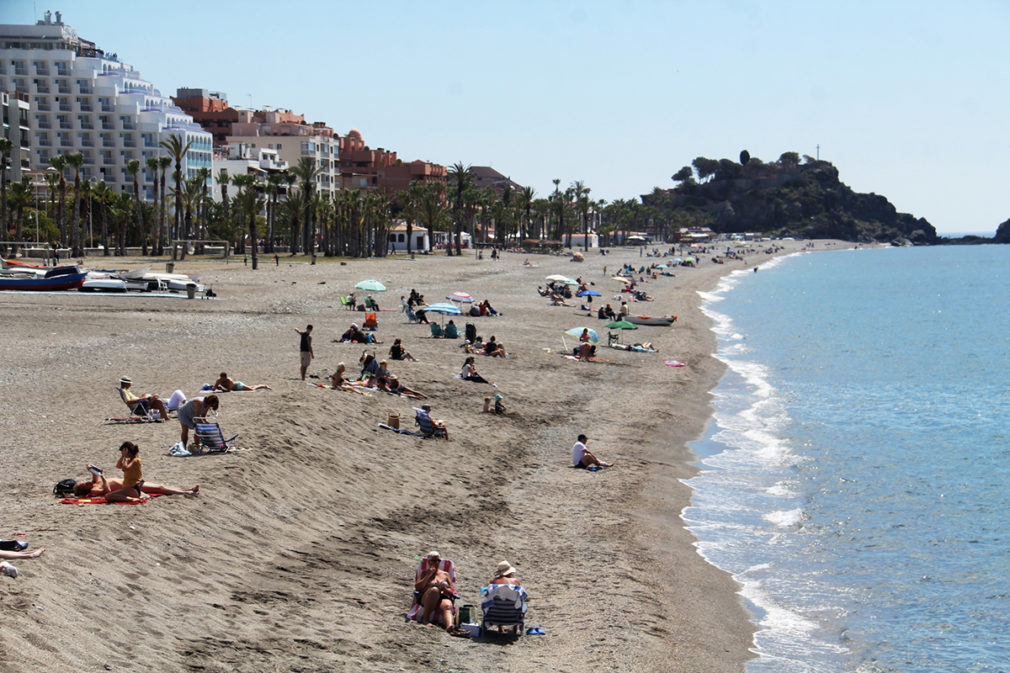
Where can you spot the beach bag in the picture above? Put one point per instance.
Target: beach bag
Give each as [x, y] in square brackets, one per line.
[64, 488]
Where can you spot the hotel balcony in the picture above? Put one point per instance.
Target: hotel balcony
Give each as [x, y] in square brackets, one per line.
[63, 88]
[44, 106]
[44, 123]
[66, 106]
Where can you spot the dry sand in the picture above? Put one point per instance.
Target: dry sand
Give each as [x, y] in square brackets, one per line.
[299, 553]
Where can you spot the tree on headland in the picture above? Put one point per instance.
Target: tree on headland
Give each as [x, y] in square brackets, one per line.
[744, 157]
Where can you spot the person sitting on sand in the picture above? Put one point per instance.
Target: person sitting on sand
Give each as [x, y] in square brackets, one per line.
[133, 476]
[99, 486]
[397, 351]
[140, 404]
[494, 349]
[583, 457]
[451, 331]
[437, 590]
[369, 365]
[198, 407]
[499, 404]
[226, 384]
[469, 371]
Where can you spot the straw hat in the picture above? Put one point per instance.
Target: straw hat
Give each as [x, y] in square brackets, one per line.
[504, 568]
[125, 379]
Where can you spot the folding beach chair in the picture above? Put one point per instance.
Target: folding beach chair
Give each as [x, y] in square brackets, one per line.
[436, 331]
[504, 606]
[140, 412]
[348, 302]
[427, 426]
[210, 439]
[445, 564]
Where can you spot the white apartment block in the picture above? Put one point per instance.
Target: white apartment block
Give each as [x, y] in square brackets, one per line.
[245, 160]
[292, 142]
[14, 111]
[86, 101]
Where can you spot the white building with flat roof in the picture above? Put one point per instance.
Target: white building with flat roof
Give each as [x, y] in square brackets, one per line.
[86, 101]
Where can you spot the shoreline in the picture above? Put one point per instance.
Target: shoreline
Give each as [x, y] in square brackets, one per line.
[299, 551]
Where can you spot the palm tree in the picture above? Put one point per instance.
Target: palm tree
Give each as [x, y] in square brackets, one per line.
[203, 174]
[177, 152]
[103, 195]
[133, 169]
[461, 177]
[59, 162]
[122, 204]
[306, 171]
[247, 200]
[152, 165]
[581, 197]
[526, 198]
[163, 164]
[75, 161]
[377, 217]
[20, 197]
[274, 181]
[6, 147]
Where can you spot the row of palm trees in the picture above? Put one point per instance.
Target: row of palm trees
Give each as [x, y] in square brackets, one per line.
[285, 208]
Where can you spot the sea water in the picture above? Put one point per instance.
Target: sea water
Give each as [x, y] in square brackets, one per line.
[855, 478]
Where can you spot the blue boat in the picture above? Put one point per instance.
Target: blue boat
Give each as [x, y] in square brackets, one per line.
[57, 278]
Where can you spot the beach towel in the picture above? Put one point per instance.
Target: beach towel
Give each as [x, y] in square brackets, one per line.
[674, 363]
[103, 501]
[400, 430]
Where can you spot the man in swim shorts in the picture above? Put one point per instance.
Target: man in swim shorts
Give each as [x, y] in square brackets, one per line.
[224, 383]
[305, 348]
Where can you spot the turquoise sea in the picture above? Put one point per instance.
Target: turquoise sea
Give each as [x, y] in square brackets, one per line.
[855, 478]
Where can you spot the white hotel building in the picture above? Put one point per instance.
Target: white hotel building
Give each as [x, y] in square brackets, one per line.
[86, 101]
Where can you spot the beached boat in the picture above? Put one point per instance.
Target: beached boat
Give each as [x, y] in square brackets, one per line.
[39, 279]
[658, 320]
[165, 281]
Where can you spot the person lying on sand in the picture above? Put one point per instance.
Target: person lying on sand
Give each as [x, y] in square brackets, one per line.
[99, 486]
[391, 384]
[583, 457]
[438, 592]
[8, 569]
[340, 382]
[226, 384]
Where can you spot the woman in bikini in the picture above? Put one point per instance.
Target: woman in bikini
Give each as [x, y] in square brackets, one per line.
[133, 476]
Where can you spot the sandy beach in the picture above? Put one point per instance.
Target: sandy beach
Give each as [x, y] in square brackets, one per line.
[300, 551]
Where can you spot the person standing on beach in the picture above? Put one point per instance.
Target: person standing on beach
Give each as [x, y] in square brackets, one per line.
[583, 457]
[305, 348]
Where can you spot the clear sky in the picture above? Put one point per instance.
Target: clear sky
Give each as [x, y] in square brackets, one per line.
[909, 99]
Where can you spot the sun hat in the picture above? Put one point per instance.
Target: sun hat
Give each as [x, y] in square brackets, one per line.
[354, 324]
[499, 396]
[125, 379]
[504, 568]
[433, 554]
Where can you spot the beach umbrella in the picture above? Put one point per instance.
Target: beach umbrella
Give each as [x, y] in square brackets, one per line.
[626, 281]
[443, 309]
[557, 277]
[370, 286]
[661, 266]
[589, 293]
[461, 297]
[622, 325]
[577, 332]
[678, 260]
[693, 260]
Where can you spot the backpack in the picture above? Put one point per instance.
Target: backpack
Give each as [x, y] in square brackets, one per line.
[64, 488]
